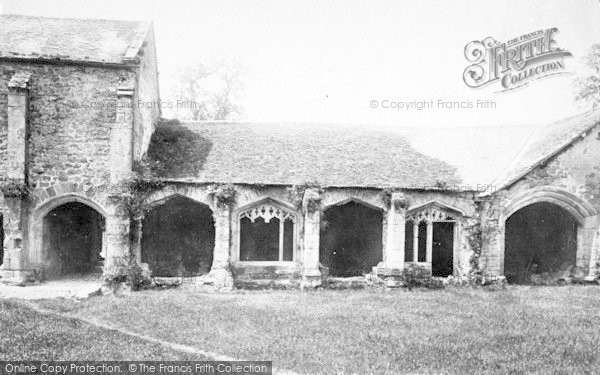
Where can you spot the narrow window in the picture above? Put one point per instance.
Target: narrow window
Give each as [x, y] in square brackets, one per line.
[408, 242]
[422, 242]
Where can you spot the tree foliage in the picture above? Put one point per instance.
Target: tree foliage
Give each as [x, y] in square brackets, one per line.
[588, 88]
[207, 92]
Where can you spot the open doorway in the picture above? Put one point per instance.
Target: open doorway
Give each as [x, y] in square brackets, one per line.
[541, 239]
[72, 239]
[178, 238]
[351, 239]
[442, 255]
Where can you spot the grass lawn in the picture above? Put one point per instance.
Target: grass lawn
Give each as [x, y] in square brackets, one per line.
[28, 335]
[456, 330]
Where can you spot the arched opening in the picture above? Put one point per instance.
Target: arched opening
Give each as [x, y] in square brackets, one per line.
[540, 243]
[442, 254]
[178, 238]
[351, 239]
[72, 240]
[267, 233]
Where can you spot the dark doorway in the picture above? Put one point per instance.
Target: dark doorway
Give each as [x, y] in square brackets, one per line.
[409, 242]
[422, 240]
[72, 240]
[442, 256]
[178, 238]
[350, 243]
[540, 238]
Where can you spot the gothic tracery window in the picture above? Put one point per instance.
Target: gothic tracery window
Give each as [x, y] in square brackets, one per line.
[430, 236]
[267, 233]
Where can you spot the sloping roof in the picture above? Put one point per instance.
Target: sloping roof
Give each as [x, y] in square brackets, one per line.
[81, 40]
[478, 153]
[479, 159]
[286, 154]
[546, 142]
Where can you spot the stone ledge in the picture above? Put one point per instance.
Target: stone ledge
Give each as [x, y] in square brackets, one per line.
[17, 277]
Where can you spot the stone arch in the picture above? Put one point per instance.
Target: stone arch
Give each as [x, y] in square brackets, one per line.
[352, 236]
[264, 200]
[253, 218]
[46, 206]
[194, 194]
[432, 231]
[177, 236]
[435, 209]
[577, 207]
[352, 199]
[582, 213]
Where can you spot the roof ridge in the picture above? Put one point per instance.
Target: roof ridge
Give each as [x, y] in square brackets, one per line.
[578, 135]
[69, 18]
[72, 40]
[137, 42]
[352, 124]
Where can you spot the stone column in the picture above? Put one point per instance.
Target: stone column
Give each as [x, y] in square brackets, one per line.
[491, 261]
[415, 241]
[121, 137]
[14, 268]
[429, 249]
[312, 228]
[118, 254]
[220, 272]
[393, 253]
[136, 243]
[588, 247]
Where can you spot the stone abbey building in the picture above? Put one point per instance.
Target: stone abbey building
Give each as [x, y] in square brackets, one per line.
[94, 180]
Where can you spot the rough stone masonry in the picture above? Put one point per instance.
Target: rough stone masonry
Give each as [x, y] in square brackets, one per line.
[93, 180]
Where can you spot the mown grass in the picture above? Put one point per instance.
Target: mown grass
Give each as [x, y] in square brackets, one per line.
[451, 331]
[28, 335]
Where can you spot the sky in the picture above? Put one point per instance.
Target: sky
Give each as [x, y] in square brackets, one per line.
[328, 61]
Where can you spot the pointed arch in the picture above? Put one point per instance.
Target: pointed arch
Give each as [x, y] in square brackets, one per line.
[353, 199]
[267, 231]
[580, 209]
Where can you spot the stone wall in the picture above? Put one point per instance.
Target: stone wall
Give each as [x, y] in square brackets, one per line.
[570, 180]
[302, 271]
[71, 112]
[147, 99]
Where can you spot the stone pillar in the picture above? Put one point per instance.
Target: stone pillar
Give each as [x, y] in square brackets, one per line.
[136, 243]
[393, 253]
[220, 272]
[491, 261]
[429, 249]
[312, 228]
[588, 247]
[18, 127]
[14, 268]
[118, 250]
[415, 241]
[121, 137]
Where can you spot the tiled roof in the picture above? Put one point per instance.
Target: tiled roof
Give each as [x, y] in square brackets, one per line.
[482, 159]
[80, 40]
[546, 142]
[287, 154]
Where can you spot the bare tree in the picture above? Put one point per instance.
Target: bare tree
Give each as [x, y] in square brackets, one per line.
[207, 91]
[588, 88]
